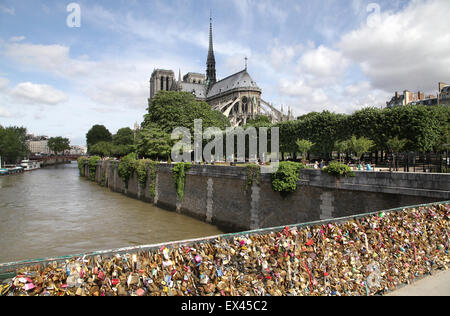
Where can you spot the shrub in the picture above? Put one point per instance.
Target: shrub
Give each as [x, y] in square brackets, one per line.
[141, 171]
[152, 174]
[81, 164]
[338, 169]
[179, 176]
[126, 167]
[286, 178]
[92, 165]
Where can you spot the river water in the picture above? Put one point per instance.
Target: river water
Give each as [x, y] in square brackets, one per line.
[54, 212]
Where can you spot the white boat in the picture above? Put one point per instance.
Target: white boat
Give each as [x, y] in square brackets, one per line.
[29, 165]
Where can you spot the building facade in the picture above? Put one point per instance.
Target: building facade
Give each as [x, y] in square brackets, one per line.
[39, 147]
[38, 144]
[237, 96]
[419, 98]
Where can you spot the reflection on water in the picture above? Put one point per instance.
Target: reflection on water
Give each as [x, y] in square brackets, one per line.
[54, 212]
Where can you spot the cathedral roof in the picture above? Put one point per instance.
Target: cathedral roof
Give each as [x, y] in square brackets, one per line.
[239, 80]
[199, 90]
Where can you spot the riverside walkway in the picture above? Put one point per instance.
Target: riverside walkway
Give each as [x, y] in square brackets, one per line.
[436, 285]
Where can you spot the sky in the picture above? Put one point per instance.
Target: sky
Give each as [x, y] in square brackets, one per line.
[59, 77]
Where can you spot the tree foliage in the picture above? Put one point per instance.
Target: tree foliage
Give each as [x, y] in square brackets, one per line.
[97, 134]
[360, 145]
[58, 144]
[170, 109]
[304, 146]
[152, 142]
[426, 128]
[396, 145]
[260, 121]
[13, 145]
[124, 136]
[103, 149]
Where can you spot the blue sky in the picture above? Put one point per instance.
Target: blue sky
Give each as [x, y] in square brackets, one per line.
[310, 55]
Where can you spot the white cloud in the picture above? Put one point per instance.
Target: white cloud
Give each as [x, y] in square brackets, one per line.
[296, 88]
[4, 83]
[17, 38]
[50, 58]
[323, 62]
[282, 56]
[407, 50]
[31, 93]
[126, 94]
[5, 113]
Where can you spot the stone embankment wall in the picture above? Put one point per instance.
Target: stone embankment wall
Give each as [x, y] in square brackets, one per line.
[217, 194]
[55, 161]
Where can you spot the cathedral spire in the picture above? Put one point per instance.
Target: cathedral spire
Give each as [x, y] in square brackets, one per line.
[179, 80]
[211, 61]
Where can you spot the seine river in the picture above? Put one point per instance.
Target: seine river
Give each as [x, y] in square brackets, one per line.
[54, 212]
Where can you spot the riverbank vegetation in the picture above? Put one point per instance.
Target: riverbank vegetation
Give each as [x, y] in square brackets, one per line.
[179, 176]
[81, 165]
[286, 178]
[13, 145]
[338, 170]
[92, 166]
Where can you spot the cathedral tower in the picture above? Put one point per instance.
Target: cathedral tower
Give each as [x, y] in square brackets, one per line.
[211, 61]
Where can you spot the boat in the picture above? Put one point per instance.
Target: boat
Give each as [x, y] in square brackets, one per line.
[3, 172]
[29, 165]
[15, 170]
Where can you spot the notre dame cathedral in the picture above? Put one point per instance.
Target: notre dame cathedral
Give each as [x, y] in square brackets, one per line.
[238, 97]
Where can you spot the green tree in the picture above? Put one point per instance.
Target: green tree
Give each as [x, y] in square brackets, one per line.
[260, 121]
[369, 123]
[170, 109]
[395, 146]
[342, 147]
[13, 145]
[289, 134]
[420, 125]
[103, 149]
[323, 129]
[360, 145]
[124, 136]
[122, 150]
[152, 142]
[58, 144]
[304, 146]
[98, 133]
